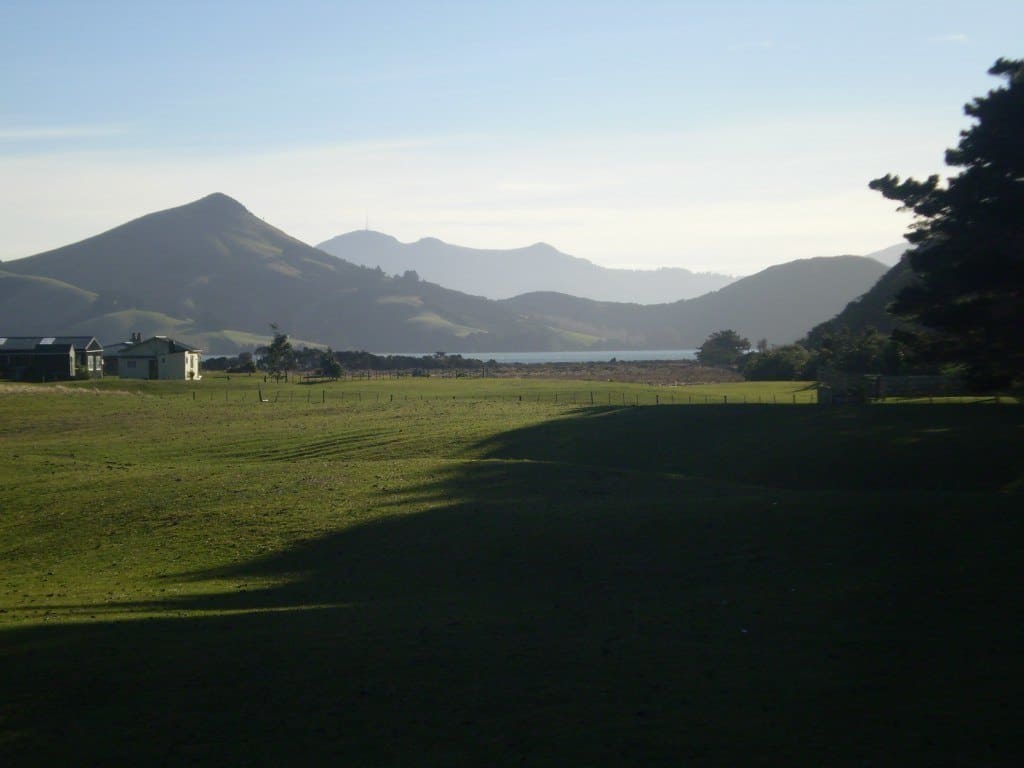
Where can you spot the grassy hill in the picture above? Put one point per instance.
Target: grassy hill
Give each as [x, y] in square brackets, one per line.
[453, 572]
[25, 298]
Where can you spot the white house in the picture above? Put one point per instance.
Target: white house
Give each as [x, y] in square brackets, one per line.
[158, 358]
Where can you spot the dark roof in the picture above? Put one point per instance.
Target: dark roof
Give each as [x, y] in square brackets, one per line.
[55, 344]
[151, 346]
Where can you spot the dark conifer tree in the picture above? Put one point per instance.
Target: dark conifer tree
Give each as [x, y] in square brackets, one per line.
[969, 241]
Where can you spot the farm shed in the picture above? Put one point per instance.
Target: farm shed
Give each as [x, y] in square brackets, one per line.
[158, 358]
[49, 358]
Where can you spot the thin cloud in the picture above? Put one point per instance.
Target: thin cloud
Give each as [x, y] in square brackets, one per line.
[42, 133]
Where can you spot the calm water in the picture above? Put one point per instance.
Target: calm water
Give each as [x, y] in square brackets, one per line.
[583, 356]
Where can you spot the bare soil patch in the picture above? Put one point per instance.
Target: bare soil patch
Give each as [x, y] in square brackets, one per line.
[652, 372]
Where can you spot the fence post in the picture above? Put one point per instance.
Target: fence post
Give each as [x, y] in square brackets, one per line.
[323, 396]
[725, 399]
[657, 400]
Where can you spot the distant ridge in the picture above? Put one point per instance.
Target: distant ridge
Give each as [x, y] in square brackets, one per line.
[890, 256]
[502, 274]
[777, 303]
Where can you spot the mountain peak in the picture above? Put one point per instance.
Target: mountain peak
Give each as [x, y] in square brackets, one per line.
[220, 202]
[547, 249]
[359, 239]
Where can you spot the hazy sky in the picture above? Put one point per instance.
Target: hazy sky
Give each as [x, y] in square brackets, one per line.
[724, 136]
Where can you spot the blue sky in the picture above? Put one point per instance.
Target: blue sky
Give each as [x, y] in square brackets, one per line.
[713, 135]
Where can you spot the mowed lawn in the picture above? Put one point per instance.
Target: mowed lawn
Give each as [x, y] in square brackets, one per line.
[498, 572]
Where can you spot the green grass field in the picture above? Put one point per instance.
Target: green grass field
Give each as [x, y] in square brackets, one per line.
[475, 572]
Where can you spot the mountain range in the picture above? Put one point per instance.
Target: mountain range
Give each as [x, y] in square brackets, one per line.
[213, 274]
[773, 304]
[502, 274]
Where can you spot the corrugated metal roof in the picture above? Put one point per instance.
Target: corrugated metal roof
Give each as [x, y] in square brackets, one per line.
[48, 343]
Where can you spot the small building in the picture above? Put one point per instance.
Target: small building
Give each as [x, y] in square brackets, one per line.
[49, 358]
[112, 357]
[158, 358]
[839, 388]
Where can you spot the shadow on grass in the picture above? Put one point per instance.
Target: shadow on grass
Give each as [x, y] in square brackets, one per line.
[624, 586]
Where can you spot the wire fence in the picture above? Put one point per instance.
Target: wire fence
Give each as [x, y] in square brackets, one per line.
[312, 396]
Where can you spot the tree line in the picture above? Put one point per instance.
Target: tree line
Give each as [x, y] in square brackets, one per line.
[281, 357]
[866, 352]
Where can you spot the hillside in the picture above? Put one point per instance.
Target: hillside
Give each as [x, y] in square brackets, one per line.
[502, 274]
[871, 309]
[778, 303]
[211, 267]
[24, 297]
